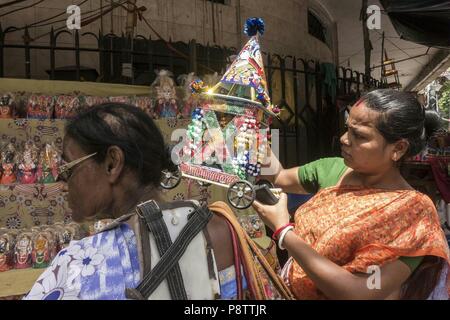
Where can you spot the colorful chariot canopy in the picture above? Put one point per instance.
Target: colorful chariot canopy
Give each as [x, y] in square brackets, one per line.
[245, 77]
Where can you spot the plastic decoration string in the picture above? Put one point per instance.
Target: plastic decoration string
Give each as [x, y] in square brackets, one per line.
[247, 161]
[250, 143]
[195, 131]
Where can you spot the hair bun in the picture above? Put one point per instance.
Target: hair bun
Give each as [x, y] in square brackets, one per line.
[433, 122]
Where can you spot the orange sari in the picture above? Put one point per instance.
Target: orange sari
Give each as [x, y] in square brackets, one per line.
[356, 228]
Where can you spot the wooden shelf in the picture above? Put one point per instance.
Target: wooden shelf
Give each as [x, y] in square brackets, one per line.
[18, 281]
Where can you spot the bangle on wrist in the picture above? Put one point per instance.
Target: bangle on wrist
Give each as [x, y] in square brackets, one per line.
[279, 230]
[282, 235]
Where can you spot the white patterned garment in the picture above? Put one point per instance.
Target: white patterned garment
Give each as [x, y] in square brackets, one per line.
[440, 292]
[99, 267]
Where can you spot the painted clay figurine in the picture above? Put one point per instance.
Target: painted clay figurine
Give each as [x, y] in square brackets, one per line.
[22, 251]
[41, 250]
[66, 107]
[6, 251]
[9, 158]
[53, 239]
[40, 107]
[27, 168]
[49, 160]
[99, 225]
[6, 106]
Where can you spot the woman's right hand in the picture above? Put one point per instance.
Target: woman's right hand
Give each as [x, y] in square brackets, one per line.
[274, 216]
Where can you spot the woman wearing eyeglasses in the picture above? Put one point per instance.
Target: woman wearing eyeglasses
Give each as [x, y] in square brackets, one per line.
[114, 155]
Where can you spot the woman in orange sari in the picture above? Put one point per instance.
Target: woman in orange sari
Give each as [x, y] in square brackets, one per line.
[366, 234]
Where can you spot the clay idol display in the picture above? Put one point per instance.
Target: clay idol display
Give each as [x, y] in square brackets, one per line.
[76, 229]
[35, 247]
[6, 106]
[40, 107]
[28, 166]
[67, 236]
[41, 250]
[58, 230]
[53, 240]
[49, 161]
[23, 250]
[89, 101]
[9, 160]
[6, 250]
[67, 106]
[120, 99]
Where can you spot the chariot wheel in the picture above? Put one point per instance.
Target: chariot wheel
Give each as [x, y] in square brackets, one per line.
[170, 179]
[241, 194]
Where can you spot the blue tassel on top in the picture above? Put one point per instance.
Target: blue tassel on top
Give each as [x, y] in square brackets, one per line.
[253, 26]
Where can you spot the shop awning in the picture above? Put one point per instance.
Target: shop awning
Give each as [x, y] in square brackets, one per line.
[426, 22]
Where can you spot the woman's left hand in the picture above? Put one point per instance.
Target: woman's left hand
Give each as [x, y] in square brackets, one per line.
[274, 216]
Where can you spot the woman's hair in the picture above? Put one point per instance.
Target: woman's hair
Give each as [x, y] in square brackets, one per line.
[402, 117]
[130, 129]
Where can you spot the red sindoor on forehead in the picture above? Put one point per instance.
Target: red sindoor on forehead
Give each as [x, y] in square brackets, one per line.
[360, 101]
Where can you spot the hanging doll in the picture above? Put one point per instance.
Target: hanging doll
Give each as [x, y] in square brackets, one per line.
[22, 251]
[28, 166]
[166, 96]
[9, 157]
[6, 106]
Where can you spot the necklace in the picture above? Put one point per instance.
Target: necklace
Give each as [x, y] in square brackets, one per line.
[22, 259]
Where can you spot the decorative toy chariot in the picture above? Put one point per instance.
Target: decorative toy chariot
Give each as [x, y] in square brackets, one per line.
[228, 137]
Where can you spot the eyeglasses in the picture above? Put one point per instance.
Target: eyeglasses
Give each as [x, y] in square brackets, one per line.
[66, 170]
